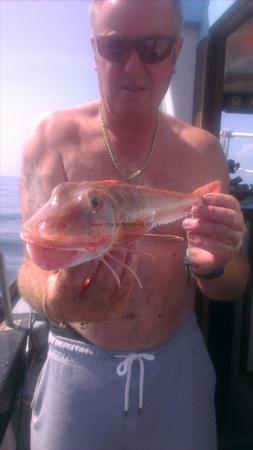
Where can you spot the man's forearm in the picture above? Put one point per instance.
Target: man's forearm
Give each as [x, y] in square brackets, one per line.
[229, 286]
[32, 283]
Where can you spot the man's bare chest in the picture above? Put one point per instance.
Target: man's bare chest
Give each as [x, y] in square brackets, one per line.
[165, 170]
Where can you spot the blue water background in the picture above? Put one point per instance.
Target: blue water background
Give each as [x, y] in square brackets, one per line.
[10, 224]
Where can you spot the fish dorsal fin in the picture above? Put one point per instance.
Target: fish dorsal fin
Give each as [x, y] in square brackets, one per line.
[214, 186]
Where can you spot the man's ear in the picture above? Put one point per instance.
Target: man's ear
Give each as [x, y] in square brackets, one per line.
[93, 45]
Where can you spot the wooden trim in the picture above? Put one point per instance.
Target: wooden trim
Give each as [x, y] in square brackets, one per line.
[200, 82]
[232, 19]
[209, 80]
[246, 314]
[214, 85]
[210, 62]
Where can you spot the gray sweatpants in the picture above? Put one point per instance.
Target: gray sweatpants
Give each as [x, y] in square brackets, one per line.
[157, 399]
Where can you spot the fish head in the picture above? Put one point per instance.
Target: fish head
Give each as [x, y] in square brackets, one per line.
[79, 219]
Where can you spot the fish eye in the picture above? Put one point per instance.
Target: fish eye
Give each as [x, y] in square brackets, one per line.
[60, 190]
[95, 200]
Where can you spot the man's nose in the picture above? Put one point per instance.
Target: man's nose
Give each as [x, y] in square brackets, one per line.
[132, 62]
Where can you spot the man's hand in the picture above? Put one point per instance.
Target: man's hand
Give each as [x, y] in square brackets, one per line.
[215, 232]
[70, 298]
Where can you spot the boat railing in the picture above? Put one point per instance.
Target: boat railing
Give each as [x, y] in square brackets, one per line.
[6, 295]
[23, 343]
[226, 135]
[238, 186]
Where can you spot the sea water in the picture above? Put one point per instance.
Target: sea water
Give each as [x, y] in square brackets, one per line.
[11, 245]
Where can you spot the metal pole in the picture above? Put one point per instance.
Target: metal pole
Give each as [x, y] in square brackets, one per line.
[227, 135]
[6, 293]
[225, 141]
[237, 134]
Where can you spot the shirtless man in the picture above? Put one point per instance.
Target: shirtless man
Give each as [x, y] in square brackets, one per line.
[90, 376]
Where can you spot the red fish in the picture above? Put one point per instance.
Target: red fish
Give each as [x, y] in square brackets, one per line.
[84, 221]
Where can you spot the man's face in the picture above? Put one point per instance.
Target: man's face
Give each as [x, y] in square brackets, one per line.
[132, 88]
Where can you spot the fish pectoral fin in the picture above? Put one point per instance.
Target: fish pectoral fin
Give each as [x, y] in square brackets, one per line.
[171, 237]
[133, 231]
[133, 237]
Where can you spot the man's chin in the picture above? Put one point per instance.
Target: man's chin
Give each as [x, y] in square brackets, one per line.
[135, 108]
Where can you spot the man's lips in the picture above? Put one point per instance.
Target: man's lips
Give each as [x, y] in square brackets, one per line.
[134, 88]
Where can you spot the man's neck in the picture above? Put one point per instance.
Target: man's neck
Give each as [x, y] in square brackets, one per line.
[128, 124]
[131, 130]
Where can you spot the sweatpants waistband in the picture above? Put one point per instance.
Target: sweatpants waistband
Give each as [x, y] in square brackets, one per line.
[67, 344]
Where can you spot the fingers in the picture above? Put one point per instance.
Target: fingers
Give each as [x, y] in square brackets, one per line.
[218, 231]
[76, 275]
[230, 217]
[64, 286]
[221, 251]
[70, 281]
[215, 232]
[204, 261]
[101, 299]
[222, 200]
[104, 300]
[220, 217]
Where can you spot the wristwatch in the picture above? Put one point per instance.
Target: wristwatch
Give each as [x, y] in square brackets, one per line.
[215, 273]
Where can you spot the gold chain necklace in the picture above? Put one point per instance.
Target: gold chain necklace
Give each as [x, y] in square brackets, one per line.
[114, 157]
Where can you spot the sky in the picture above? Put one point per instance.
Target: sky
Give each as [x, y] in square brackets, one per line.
[47, 64]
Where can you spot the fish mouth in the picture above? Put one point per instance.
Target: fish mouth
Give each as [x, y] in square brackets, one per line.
[54, 259]
[52, 254]
[70, 244]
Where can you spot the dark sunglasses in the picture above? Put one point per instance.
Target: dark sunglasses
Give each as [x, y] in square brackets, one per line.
[150, 49]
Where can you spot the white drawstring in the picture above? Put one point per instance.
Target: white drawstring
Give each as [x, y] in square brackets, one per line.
[125, 368]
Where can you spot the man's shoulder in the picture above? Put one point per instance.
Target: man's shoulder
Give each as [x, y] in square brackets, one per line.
[57, 130]
[198, 149]
[198, 138]
[57, 122]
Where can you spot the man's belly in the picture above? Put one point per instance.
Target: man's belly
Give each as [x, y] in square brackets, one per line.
[152, 313]
[132, 333]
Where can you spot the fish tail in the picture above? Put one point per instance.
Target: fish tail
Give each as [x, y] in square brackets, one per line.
[214, 186]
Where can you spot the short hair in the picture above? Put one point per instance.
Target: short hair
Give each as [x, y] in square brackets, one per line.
[176, 4]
